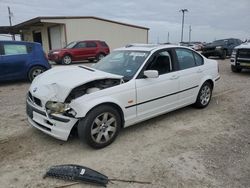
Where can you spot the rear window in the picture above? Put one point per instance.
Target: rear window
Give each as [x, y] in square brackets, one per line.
[185, 58]
[198, 59]
[15, 49]
[103, 44]
[91, 45]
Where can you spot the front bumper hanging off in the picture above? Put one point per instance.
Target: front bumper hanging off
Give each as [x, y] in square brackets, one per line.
[57, 126]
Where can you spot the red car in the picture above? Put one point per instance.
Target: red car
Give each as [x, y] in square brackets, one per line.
[79, 51]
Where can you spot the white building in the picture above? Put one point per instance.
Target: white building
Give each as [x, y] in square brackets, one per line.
[56, 32]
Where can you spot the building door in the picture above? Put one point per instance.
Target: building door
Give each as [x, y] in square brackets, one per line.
[37, 37]
[55, 37]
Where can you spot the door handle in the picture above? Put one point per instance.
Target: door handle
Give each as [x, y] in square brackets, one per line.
[174, 77]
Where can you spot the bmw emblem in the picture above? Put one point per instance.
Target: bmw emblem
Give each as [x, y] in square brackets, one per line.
[35, 89]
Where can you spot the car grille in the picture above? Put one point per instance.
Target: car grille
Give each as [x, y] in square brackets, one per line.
[35, 100]
[244, 53]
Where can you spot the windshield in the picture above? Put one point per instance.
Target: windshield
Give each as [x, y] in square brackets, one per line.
[124, 63]
[220, 42]
[71, 45]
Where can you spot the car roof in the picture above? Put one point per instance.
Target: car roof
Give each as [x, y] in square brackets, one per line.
[148, 47]
[17, 42]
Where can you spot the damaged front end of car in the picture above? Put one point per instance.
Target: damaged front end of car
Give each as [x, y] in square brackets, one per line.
[92, 87]
[50, 107]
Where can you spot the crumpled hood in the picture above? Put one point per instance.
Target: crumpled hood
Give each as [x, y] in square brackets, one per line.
[56, 83]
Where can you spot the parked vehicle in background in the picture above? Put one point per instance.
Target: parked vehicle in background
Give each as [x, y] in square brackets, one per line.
[240, 58]
[79, 51]
[21, 60]
[194, 45]
[130, 85]
[221, 48]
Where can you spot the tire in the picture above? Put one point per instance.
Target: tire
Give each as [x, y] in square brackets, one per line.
[94, 129]
[204, 96]
[235, 69]
[34, 72]
[224, 54]
[100, 56]
[66, 60]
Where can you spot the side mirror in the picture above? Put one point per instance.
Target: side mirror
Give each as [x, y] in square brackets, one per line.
[151, 73]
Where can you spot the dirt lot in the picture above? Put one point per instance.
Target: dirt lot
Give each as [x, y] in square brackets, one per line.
[185, 148]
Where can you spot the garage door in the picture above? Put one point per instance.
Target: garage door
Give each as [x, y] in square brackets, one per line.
[55, 37]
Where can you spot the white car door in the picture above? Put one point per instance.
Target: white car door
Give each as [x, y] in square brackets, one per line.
[191, 73]
[157, 95]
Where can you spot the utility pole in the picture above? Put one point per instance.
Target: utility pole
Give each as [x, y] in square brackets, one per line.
[10, 15]
[190, 30]
[183, 14]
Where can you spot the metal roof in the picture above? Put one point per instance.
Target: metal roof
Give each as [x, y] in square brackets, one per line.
[39, 20]
[148, 47]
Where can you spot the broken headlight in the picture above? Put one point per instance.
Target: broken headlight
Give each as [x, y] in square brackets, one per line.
[53, 107]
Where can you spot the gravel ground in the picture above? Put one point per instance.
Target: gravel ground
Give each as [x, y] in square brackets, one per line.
[184, 148]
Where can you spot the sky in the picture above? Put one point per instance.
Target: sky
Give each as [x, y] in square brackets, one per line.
[209, 19]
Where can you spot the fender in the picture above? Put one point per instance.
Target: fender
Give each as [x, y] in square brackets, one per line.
[204, 79]
[82, 108]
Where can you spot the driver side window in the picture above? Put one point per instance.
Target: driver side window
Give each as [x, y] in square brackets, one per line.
[161, 62]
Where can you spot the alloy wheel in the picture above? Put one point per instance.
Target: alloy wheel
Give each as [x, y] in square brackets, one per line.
[67, 60]
[205, 95]
[104, 127]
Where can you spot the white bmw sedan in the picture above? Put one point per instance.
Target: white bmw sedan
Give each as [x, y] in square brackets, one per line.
[130, 85]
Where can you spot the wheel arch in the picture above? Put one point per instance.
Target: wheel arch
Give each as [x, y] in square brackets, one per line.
[114, 105]
[210, 81]
[67, 53]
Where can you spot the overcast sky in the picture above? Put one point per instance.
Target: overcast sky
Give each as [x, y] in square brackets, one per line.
[210, 19]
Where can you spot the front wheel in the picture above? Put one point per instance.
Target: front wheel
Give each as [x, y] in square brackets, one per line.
[204, 96]
[66, 60]
[100, 126]
[34, 72]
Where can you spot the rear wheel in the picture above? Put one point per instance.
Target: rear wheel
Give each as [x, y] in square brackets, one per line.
[204, 96]
[34, 72]
[100, 56]
[100, 126]
[66, 60]
[235, 69]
